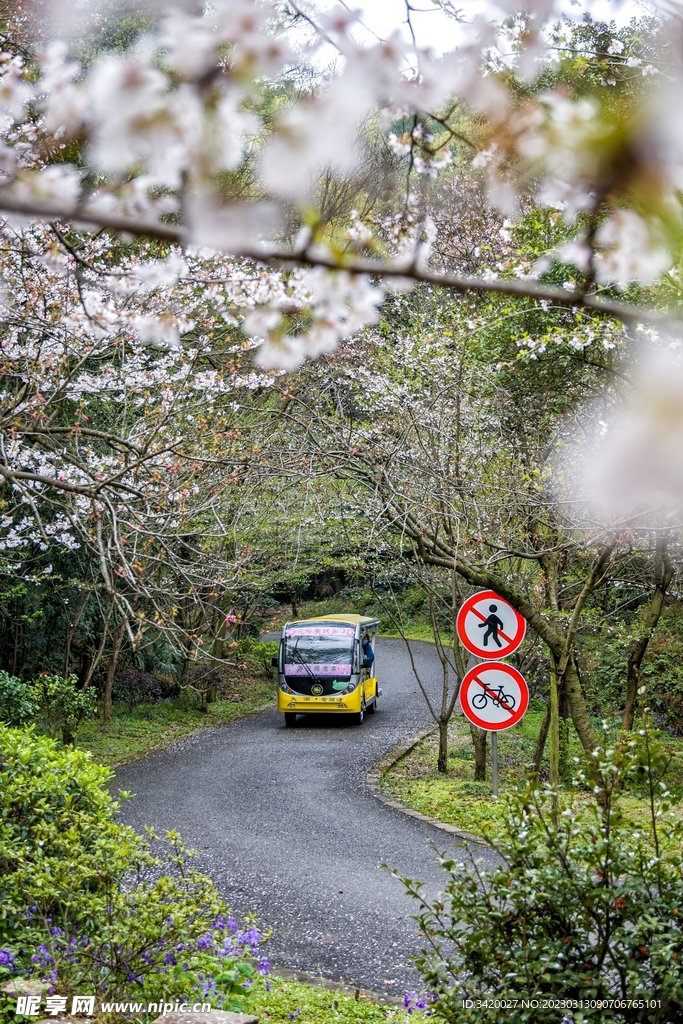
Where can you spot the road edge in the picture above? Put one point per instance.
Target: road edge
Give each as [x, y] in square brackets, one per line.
[386, 763]
[176, 741]
[345, 987]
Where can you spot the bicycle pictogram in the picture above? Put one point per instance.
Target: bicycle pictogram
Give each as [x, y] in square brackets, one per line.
[499, 698]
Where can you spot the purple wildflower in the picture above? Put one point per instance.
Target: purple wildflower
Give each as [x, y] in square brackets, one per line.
[263, 965]
[412, 1002]
[7, 959]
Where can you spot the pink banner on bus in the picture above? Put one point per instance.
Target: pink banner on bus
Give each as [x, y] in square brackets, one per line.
[318, 670]
[319, 631]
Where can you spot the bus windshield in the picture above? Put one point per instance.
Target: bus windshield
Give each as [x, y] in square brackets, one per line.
[319, 651]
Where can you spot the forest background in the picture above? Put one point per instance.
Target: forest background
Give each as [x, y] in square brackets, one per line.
[161, 501]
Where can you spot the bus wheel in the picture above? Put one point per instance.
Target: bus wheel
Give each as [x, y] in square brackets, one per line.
[358, 718]
[290, 717]
[371, 708]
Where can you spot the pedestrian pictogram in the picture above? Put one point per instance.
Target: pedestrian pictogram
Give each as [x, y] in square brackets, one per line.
[490, 627]
[494, 696]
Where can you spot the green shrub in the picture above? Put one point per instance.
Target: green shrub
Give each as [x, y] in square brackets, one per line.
[83, 903]
[574, 911]
[17, 704]
[61, 706]
[257, 653]
[53, 704]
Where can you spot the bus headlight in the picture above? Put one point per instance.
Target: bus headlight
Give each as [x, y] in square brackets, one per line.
[285, 688]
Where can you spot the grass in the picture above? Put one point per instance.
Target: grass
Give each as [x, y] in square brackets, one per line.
[136, 731]
[458, 800]
[307, 1004]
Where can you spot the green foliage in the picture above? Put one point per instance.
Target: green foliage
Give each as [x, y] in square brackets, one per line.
[135, 731]
[17, 704]
[457, 800]
[284, 1001]
[53, 704]
[257, 653]
[60, 706]
[576, 910]
[603, 646]
[85, 905]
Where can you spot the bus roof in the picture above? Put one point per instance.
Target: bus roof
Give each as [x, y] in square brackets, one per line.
[352, 620]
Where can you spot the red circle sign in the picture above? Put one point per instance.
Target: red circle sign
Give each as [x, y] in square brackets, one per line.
[494, 696]
[490, 627]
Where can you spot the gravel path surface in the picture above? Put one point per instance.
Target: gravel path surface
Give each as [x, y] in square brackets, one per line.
[286, 828]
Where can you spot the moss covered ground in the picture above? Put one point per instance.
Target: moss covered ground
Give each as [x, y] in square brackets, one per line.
[136, 731]
[457, 799]
[309, 1004]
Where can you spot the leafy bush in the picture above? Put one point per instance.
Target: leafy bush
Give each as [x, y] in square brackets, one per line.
[61, 706]
[257, 653]
[52, 703]
[133, 686]
[603, 657]
[17, 704]
[201, 687]
[574, 911]
[84, 905]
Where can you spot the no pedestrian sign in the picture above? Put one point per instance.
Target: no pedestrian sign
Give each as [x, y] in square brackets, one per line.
[490, 627]
[494, 696]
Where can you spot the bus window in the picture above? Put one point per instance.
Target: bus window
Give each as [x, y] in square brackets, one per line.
[319, 651]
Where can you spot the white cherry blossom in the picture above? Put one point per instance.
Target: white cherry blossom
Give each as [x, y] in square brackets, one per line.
[628, 252]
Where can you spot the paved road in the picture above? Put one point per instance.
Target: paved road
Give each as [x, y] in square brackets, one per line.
[285, 827]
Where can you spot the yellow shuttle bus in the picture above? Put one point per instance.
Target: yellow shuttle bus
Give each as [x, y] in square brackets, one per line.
[327, 665]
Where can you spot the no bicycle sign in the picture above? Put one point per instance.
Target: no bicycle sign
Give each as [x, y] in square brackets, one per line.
[490, 627]
[494, 696]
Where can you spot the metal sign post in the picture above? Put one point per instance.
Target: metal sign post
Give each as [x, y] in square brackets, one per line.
[493, 695]
[494, 763]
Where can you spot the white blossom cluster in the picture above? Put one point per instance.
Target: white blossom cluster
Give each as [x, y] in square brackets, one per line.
[158, 126]
[108, 444]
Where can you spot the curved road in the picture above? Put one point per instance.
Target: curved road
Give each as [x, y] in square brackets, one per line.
[284, 825]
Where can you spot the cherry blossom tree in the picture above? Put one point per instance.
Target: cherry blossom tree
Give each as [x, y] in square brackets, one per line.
[168, 219]
[157, 128]
[451, 446]
[117, 439]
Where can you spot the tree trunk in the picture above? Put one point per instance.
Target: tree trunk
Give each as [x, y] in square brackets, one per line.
[564, 767]
[479, 741]
[554, 737]
[98, 654]
[70, 631]
[541, 741]
[111, 670]
[663, 576]
[577, 707]
[221, 628]
[442, 763]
